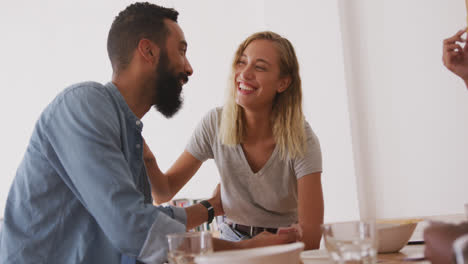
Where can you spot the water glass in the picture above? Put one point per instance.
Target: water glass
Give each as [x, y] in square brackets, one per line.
[184, 247]
[351, 242]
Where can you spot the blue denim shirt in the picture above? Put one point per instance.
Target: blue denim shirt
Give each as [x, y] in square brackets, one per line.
[81, 193]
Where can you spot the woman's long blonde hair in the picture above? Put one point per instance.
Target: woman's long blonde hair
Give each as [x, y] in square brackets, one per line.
[287, 117]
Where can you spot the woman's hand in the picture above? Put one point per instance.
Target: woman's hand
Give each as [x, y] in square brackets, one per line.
[148, 156]
[293, 228]
[159, 182]
[165, 185]
[268, 239]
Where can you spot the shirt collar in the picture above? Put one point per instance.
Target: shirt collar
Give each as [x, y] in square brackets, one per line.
[124, 106]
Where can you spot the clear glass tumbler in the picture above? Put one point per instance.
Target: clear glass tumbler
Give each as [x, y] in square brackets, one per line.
[351, 242]
[184, 247]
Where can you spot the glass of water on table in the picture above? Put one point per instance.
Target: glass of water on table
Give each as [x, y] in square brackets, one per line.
[351, 242]
[184, 247]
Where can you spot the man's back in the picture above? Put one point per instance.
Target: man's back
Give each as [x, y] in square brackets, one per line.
[63, 206]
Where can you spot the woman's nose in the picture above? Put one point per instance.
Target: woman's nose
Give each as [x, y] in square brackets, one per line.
[247, 73]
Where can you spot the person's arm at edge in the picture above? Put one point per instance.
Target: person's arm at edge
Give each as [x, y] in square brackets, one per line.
[455, 57]
[310, 209]
[439, 238]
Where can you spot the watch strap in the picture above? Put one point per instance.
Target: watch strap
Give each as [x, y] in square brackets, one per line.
[210, 210]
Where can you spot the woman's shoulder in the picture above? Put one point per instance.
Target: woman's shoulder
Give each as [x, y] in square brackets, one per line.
[213, 115]
[309, 132]
[211, 120]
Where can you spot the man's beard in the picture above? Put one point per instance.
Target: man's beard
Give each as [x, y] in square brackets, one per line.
[168, 99]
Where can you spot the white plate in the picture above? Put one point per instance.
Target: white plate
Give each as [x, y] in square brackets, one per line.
[279, 254]
[317, 256]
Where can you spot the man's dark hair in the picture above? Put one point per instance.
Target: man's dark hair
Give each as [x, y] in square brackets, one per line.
[137, 21]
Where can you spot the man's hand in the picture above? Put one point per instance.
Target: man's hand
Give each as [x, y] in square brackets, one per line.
[439, 238]
[455, 57]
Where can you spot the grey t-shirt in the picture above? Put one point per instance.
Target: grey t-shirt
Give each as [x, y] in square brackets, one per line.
[267, 198]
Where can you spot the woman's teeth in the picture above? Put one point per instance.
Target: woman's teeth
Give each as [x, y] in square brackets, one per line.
[245, 87]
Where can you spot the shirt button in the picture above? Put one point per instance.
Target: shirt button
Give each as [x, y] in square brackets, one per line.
[138, 145]
[138, 122]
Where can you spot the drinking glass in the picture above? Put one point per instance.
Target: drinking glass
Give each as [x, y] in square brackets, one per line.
[184, 247]
[351, 242]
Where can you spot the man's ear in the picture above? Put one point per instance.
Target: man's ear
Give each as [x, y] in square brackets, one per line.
[148, 50]
[284, 83]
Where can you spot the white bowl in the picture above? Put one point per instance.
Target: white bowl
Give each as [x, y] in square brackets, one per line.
[393, 236]
[316, 256]
[280, 254]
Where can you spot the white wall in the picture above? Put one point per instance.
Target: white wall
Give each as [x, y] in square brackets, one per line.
[46, 47]
[313, 28]
[408, 112]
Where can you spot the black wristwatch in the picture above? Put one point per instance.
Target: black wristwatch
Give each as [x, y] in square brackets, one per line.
[210, 210]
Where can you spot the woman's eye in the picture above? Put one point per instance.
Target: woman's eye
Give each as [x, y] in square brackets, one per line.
[241, 63]
[260, 68]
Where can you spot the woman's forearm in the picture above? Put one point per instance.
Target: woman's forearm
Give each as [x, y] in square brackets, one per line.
[160, 185]
[311, 237]
[165, 185]
[310, 209]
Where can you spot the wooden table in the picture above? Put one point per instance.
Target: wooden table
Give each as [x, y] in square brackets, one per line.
[408, 254]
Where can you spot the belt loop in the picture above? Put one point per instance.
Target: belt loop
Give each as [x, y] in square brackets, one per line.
[251, 231]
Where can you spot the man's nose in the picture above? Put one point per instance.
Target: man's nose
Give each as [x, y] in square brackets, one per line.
[188, 68]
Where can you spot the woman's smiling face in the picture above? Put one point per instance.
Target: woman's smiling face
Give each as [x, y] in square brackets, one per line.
[257, 75]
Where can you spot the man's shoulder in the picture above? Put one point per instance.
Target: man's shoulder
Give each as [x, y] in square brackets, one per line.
[81, 95]
[83, 90]
[85, 97]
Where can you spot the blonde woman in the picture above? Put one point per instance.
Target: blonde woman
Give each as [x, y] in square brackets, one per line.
[267, 155]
